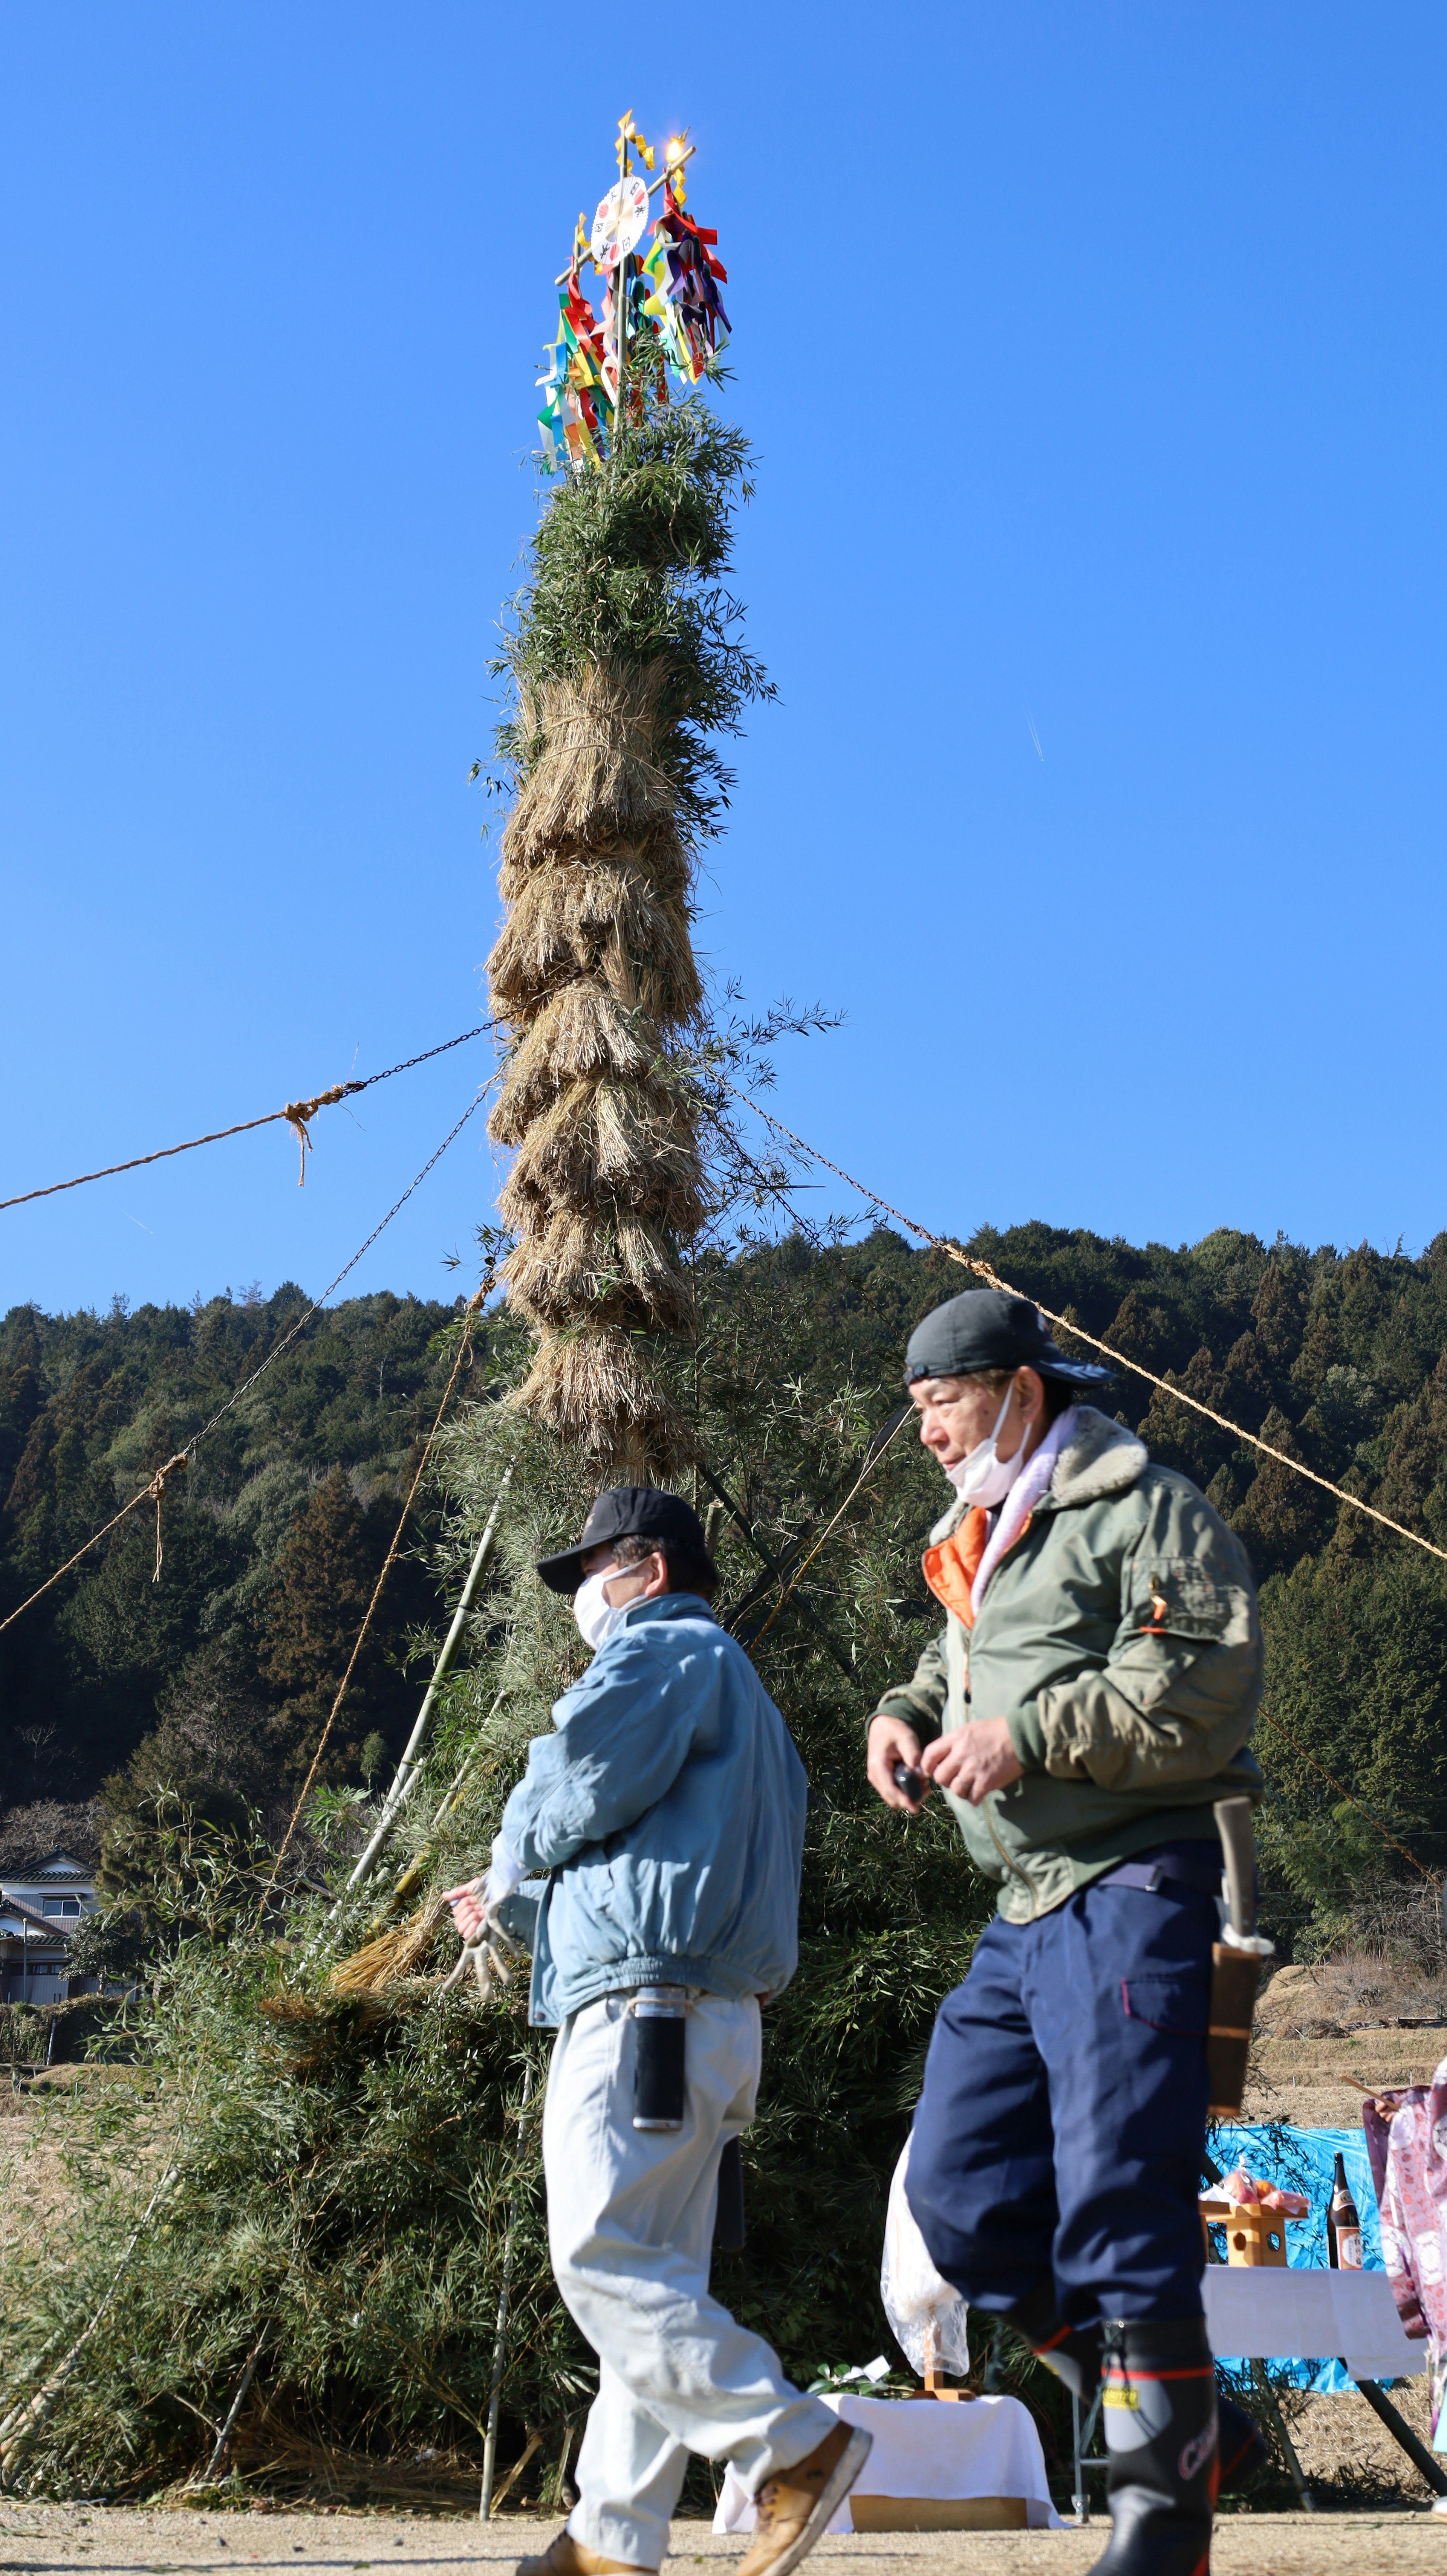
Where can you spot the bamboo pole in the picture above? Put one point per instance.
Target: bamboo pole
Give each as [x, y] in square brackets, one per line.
[416, 1745]
[499, 2349]
[208, 2474]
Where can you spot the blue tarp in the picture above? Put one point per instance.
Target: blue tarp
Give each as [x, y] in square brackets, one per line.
[1305, 2160]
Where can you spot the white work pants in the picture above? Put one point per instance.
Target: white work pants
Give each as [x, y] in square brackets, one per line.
[630, 2227]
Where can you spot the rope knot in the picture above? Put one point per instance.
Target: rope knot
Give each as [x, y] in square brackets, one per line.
[155, 1492]
[297, 1112]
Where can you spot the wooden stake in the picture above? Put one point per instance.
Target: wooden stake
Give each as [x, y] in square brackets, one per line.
[499, 2349]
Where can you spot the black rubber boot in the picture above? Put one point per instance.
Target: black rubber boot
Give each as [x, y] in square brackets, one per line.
[1159, 2414]
[1072, 2352]
[1242, 2449]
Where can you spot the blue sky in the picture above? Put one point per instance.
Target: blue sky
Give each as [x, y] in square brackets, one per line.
[1094, 356]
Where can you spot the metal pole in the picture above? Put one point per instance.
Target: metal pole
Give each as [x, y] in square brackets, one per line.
[499, 2349]
[411, 1762]
[620, 304]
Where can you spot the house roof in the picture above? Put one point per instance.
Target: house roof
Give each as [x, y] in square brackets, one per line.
[57, 1864]
[18, 1920]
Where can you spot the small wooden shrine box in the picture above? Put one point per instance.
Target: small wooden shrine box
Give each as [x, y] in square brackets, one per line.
[1252, 2235]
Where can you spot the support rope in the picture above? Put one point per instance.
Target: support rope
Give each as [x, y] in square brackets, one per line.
[464, 1347]
[174, 1466]
[296, 1113]
[1177, 1394]
[866, 1470]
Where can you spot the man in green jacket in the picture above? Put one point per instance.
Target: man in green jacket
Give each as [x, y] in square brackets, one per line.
[1090, 1698]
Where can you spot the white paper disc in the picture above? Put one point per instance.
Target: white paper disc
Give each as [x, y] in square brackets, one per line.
[619, 221]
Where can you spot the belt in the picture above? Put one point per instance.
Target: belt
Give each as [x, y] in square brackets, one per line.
[1180, 1868]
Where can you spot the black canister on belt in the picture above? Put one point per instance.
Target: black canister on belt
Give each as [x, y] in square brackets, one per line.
[661, 2013]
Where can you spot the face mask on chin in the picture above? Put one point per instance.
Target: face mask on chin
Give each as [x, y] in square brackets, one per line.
[982, 1477]
[598, 1619]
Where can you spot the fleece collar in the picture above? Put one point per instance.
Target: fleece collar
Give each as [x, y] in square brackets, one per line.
[1101, 1457]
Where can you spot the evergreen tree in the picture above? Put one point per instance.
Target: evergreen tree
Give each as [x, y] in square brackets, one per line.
[325, 1577]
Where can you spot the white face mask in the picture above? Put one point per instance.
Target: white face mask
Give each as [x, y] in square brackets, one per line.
[982, 1477]
[599, 1619]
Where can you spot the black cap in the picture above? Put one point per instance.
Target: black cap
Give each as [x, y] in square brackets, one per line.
[987, 1328]
[624, 1511]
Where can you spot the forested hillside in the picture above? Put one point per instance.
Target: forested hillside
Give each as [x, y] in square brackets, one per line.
[224, 1669]
[272, 1541]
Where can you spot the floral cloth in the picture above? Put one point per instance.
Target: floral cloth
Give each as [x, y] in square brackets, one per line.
[1409, 2169]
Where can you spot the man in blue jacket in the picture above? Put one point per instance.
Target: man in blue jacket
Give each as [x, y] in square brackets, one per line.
[668, 1810]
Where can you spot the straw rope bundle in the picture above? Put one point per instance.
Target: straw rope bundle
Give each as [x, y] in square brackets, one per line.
[594, 973]
[393, 1955]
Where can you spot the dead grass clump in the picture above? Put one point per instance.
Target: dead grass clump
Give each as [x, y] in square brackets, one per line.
[577, 1264]
[612, 921]
[1360, 1988]
[604, 1400]
[392, 1955]
[596, 776]
[581, 1032]
[603, 1145]
[290, 2465]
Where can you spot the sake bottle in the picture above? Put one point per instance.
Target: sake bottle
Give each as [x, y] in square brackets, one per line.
[1343, 2227]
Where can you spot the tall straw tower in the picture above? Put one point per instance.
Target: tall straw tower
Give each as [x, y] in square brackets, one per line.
[623, 663]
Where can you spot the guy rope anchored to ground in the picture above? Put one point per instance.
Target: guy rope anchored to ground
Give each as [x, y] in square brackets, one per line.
[297, 1114]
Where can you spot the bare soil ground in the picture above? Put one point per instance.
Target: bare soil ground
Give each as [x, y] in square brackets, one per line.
[46, 2539]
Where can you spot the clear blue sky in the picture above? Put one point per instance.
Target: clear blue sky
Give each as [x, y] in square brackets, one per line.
[1094, 356]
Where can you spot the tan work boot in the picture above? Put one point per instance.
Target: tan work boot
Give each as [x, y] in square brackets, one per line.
[797, 2504]
[566, 2556]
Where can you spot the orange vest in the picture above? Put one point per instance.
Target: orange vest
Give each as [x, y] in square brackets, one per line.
[950, 1569]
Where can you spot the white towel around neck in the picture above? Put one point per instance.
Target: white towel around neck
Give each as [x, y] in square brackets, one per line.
[1020, 1502]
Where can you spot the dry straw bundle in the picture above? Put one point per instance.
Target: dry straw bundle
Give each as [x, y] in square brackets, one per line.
[595, 974]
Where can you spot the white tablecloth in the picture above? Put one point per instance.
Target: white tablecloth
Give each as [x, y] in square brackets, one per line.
[1277, 2313]
[988, 2447]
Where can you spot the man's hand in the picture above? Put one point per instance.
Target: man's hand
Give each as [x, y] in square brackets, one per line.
[974, 1760]
[468, 1913]
[890, 1741]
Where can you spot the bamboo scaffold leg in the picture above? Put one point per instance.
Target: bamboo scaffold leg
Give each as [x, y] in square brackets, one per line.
[411, 1763]
[499, 2349]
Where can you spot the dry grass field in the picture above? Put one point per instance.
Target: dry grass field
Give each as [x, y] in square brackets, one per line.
[1327, 2034]
[37, 2126]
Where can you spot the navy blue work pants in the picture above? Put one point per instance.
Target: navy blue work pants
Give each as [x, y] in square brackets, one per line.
[1060, 2131]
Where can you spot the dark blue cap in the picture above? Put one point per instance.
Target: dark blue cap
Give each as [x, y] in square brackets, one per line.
[624, 1511]
[987, 1328]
